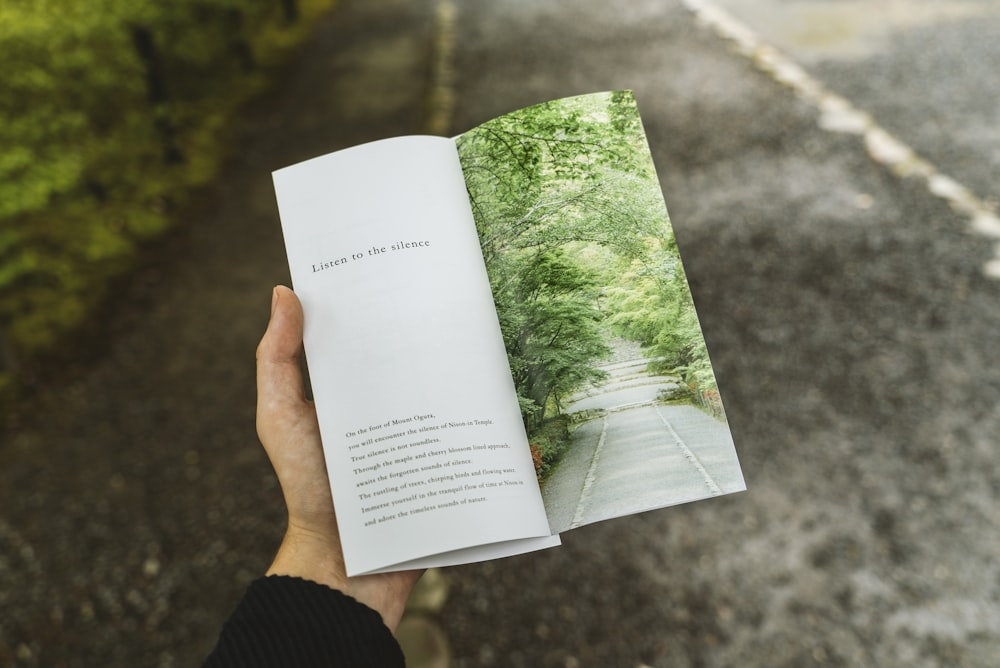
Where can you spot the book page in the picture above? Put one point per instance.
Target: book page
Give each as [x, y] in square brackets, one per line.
[424, 442]
[615, 383]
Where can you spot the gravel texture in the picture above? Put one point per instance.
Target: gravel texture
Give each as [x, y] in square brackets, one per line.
[853, 332]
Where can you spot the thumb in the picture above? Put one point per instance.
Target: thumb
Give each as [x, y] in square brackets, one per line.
[279, 355]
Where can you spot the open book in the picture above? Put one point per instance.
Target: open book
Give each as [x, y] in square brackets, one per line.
[501, 340]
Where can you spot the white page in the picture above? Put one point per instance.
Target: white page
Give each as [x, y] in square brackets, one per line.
[480, 553]
[424, 443]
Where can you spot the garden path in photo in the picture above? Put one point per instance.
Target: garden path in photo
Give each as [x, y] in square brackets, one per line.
[634, 452]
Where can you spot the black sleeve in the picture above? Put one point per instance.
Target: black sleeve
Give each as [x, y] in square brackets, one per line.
[287, 621]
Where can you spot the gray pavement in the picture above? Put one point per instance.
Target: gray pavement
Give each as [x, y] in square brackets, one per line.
[853, 331]
[648, 457]
[135, 500]
[845, 307]
[636, 453]
[920, 67]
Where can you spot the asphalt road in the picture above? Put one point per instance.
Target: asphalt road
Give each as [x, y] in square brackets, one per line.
[136, 501]
[845, 307]
[918, 66]
[636, 453]
[853, 331]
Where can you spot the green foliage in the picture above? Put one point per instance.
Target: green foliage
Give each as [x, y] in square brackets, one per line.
[550, 320]
[560, 172]
[651, 303]
[574, 231]
[553, 177]
[549, 442]
[550, 187]
[110, 112]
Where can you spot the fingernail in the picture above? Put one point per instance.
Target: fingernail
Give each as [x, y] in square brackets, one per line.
[274, 299]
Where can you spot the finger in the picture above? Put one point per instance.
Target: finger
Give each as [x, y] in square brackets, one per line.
[286, 420]
[279, 357]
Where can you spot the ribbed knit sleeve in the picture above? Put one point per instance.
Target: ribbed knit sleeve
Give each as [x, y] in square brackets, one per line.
[288, 621]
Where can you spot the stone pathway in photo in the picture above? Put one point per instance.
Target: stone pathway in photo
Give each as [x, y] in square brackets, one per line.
[634, 453]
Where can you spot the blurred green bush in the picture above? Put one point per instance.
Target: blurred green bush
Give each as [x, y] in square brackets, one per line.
[110, 112]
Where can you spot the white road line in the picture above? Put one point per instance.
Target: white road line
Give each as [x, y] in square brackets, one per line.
[588, 482]
[839, 115]
[691, 457]
[441, 100]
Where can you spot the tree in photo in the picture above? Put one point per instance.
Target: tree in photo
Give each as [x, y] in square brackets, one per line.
[551, 330]
[650, 302]
[574, 231]
[546, 184]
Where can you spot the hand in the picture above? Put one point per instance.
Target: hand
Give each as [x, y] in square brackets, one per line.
[289, 432]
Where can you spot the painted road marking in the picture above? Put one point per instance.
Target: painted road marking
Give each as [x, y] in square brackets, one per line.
[713, 486]
[840, 115]
[441, 99]
[580, 515]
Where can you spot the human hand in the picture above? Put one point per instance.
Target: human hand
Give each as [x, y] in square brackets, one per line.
[289, 431]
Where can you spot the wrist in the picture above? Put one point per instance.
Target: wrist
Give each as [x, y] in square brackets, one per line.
[316, 556]
[310, 555]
